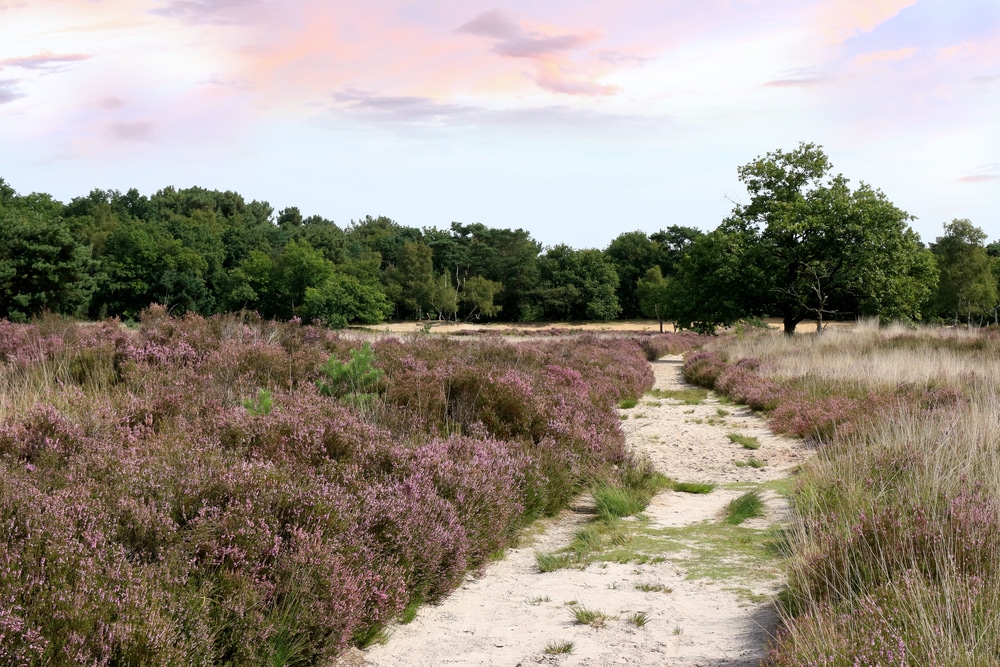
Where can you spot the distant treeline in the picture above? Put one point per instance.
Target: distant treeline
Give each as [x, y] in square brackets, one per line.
[805, 247]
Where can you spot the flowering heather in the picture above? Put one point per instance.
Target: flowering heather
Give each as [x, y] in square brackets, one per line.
[895, 550]
[152, 515]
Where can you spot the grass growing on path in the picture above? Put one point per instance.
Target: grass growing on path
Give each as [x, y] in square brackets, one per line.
[748, 441]
[750, 505]
[689, 396]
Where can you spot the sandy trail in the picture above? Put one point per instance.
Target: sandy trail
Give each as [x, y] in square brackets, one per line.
[717, 610]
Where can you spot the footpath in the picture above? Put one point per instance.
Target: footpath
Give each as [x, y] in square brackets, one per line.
[678, 586]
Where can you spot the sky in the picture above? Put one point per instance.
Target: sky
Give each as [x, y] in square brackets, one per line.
[574, 120]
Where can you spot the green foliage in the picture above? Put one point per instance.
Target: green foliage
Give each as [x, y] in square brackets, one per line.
[805, 245]
[750, 505]
[631, 254]
[477, 295]
[42, 266]
[357, 377]
[576, 285]
[343, 299]
[260, 406]
[410, 280]
[967, 286]
[654, 295]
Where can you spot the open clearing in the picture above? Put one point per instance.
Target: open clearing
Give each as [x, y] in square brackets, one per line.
[676, 587]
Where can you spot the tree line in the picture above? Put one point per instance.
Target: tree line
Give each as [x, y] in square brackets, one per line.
[807, 245]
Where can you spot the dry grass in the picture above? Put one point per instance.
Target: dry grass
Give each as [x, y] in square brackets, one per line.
[895, 555]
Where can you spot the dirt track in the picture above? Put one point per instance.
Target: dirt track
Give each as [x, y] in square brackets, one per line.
[720, 578]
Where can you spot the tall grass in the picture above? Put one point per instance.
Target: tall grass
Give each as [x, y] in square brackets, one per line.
[185, 493]
[895, 557]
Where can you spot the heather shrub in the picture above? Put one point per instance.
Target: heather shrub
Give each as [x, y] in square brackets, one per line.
[659, 345]
[894, 550]
[185, 493]
[703, 368]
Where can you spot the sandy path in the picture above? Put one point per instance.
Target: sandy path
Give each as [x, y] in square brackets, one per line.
[717, 611]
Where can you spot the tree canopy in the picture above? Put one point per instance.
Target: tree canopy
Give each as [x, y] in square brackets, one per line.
[806, 244]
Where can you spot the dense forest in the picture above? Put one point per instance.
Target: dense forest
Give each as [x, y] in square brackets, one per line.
[806, 246]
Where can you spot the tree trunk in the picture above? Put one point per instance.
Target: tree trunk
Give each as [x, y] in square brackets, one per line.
[661, 326]
[790, 326]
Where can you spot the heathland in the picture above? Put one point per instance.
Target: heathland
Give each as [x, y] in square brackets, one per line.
[894, 551]
[235, 491]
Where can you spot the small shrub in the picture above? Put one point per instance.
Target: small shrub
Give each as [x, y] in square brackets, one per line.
[263, 404]
[358, 376]
[627, 403]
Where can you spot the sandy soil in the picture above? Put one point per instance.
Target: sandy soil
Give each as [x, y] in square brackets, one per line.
[717, 609]
[522, 328]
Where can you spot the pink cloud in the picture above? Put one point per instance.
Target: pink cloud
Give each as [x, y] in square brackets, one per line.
[805, 77]
[44, 60]
[223, 12]
[886, 56]
[551, 53]
[557, 83]
[132, 131]
[514, 41]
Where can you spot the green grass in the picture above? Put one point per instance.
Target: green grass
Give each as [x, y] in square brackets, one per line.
[593, 618]
[752, 462]
[627, 403]
[692, 396]
[748, 506]
[559, 648]
[614, 502]
[722, 412]
[552, 562]
[652, 587]
[748, 441]
[694, 487]
[639, 619]
[535, 601]
[410, 611]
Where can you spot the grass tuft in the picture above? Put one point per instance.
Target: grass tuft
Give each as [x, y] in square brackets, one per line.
[694, 487]
[639, 619]
[748, 506]
[693, 396]
[748, 441]
[560, 648]
[593, 618]
[552, 562]
[652, 587]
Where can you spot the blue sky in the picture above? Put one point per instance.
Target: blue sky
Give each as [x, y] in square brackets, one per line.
[576, 121]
